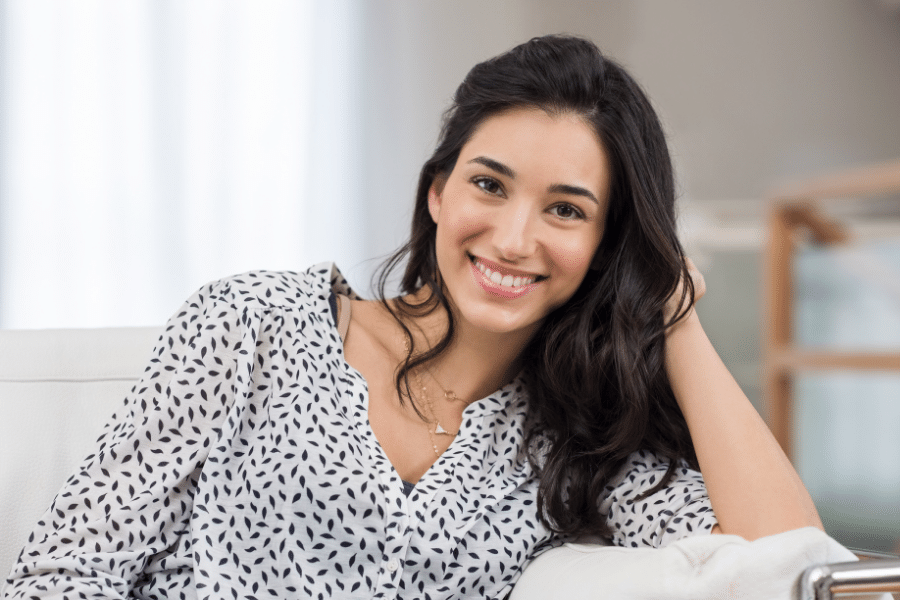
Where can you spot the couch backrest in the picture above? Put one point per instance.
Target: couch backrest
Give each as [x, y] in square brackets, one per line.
[57, 389]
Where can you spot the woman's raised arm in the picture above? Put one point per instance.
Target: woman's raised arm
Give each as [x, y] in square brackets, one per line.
[752, 485]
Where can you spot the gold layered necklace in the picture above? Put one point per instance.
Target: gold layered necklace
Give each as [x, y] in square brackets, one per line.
[433, 424]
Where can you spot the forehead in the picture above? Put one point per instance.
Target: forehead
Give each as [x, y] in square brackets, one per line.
[556, 148]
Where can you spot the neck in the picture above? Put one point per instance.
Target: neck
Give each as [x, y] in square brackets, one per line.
[477, 362]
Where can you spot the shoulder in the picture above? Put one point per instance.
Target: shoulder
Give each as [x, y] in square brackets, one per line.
[678, 509]
[229, 304]
[263, 290]
[644, 469]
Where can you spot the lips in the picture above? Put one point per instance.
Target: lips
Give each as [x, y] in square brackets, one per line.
[499, 280]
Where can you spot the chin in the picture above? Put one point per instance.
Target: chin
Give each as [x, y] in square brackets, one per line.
[499, 321]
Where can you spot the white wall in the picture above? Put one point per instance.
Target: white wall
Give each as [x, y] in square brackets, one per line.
[755, 92]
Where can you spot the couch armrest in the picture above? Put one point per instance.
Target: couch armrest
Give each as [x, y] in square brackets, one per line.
[57, 389]
[822, 582]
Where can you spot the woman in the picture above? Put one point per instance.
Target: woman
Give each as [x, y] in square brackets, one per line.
[543, 376]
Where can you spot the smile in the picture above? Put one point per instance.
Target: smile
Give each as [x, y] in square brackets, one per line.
[504, 283]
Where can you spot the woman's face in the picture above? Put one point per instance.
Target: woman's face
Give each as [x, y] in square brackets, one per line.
[520, 217]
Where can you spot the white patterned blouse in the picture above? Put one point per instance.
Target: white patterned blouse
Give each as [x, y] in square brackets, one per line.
[243, 466]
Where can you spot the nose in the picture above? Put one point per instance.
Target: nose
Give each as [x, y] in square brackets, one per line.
[515, 231]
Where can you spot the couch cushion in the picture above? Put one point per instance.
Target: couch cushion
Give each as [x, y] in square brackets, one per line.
[57, 389]
[703, 566]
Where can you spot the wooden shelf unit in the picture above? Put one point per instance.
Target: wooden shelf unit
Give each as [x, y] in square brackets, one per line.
[792, 212]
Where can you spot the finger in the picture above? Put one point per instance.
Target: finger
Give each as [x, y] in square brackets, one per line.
[697, 278]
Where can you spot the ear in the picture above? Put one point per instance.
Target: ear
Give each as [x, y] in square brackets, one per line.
[434, 198]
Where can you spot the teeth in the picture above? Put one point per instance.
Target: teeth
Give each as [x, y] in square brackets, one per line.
[504, 280]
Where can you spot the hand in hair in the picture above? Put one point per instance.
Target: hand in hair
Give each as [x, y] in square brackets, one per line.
[680, 302]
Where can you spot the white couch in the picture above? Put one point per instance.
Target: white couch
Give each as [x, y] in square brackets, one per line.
[58, 388]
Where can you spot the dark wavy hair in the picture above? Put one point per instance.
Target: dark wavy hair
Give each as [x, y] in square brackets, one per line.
[595, 372]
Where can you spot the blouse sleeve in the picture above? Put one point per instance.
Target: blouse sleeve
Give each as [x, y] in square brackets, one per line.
[129, 502]
[676, 511]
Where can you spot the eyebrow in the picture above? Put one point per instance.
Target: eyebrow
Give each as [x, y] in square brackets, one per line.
[556, 188]
[492, 164]
[573, 190]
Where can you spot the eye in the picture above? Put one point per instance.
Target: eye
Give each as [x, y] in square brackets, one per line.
[489, 185]
[567, 212]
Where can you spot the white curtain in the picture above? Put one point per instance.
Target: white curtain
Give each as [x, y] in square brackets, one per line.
[149, 146]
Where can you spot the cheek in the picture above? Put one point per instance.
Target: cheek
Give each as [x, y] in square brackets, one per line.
[464, 222]
[573, 255]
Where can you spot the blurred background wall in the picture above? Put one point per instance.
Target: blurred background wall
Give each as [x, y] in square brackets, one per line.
[149, 146]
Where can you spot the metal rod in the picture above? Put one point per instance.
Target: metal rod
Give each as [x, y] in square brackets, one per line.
[869, 576]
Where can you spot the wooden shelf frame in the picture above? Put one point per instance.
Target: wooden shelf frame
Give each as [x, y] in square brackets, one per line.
[794, 212]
